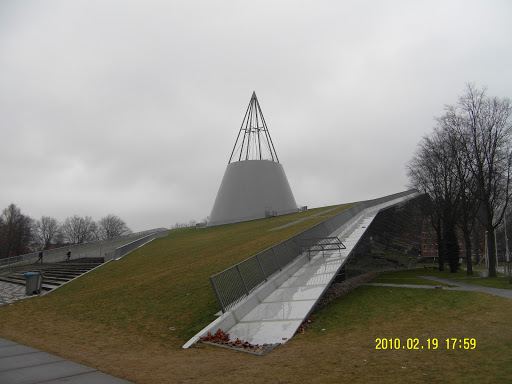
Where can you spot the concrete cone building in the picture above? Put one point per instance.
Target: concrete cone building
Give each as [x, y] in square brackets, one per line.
[254, 185]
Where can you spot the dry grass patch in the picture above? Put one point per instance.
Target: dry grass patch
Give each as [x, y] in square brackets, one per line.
[344, 352]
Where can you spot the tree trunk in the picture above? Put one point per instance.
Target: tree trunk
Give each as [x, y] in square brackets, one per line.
[491, 247]
[441, 248]
[452, 247]
[469, 264]
[491, 244]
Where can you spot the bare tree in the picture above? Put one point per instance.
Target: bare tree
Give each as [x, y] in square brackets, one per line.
[469, 204]
[484, 129]
[16, 231]
[191, 223]
[77, 230]
[46, 232]
[465, 167]
[433, 171]
[111, 226]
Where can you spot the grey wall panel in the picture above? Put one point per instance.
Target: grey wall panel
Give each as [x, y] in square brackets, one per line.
[249, 189]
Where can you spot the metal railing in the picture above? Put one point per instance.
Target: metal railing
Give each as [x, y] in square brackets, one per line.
[91, 249]
[127, 248]
[235, 283]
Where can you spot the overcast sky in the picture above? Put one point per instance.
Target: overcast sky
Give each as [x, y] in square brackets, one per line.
[133, 107]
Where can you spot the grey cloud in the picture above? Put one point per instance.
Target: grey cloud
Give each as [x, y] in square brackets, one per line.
[133, 109]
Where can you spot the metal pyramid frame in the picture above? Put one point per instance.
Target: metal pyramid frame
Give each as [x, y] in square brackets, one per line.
[255, 143]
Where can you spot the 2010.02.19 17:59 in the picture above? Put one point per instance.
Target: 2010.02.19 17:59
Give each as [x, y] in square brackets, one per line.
[431, 343]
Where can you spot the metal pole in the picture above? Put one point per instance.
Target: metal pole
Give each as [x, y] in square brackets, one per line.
[289, 254]
[258, 131]
[218, 296]
[507, 272]
[506, 241]
[486, 251]
[242, 279]
[240, 131]
[261, 267]
[277, 260]
[267, 133]
[250, 130]
[496, 248]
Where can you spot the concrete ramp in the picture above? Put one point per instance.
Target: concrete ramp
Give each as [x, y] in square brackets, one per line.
[277, 318]
[273, 313]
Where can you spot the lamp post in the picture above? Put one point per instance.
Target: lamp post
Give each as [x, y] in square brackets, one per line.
[507, 253]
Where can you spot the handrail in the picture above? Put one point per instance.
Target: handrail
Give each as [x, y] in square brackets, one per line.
[127, 248]
[74, 247]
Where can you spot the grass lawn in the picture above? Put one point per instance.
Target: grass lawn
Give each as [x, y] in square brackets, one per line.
[130, 318]
[349, 327]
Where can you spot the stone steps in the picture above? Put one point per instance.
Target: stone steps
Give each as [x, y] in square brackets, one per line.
[54, 274]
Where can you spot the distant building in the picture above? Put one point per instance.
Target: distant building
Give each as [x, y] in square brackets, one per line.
[429, 245]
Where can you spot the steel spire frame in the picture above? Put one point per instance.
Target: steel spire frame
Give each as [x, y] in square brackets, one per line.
[255, 143]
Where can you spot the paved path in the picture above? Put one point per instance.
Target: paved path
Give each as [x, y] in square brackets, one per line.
[9, 293]
[276, 318]
[24, 365]
[453, 286]
[507, 293]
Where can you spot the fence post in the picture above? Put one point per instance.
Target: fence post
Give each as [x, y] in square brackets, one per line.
[242, 279]
[218, 296]
[277, 260]
[261, 267]
[289, 254]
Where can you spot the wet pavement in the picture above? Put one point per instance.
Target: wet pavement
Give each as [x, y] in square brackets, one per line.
[9, 293]
[454, 285]
[20, 364]
[276, 318]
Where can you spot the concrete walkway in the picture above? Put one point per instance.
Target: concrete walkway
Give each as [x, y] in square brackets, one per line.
[454, 286]
[277, 317]
[9, 293]
[507, 293]
[20, 364]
